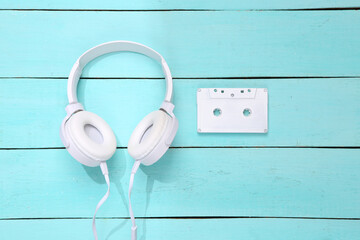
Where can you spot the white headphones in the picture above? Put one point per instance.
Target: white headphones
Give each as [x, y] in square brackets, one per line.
[91, 141]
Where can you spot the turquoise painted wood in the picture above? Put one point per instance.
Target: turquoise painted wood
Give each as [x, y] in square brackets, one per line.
[212, 229]
[185, 4]
[302, 112]
[186, 182]
[195, 44]
[281, 185]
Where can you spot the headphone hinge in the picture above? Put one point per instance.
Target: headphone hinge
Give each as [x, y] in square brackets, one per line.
[168, 107]
[73, 108]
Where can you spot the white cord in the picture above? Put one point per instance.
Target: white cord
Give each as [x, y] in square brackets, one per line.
[134, 227]
[105, 172]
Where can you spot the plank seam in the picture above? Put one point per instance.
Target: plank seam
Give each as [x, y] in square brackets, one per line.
[184, 217]
[205, 147]
[355, 8]
[190, 78]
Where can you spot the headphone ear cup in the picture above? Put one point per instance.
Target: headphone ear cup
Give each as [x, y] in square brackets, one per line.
[91, 136]
[148, 134]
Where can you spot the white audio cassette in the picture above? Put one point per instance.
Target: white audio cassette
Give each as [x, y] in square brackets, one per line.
[232, 110]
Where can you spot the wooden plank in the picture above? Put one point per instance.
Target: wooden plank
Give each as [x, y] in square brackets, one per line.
[185, 4]
[186, 182]
[195, 44]
[302, 112]
[280, 229]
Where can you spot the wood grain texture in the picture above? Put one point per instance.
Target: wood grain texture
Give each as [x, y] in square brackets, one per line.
[185, 4]
[279, 192]
[186, 182]
[195, 44]
[212, 229]
[302, 112]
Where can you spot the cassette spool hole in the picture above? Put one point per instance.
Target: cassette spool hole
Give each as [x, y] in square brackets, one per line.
[247, 112]
[217, 112]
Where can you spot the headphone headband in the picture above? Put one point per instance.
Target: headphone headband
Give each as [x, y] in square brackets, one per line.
[115, 46]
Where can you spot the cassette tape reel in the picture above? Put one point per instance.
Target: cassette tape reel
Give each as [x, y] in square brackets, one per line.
[232, 110]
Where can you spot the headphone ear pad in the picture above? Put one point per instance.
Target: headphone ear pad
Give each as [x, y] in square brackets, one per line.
[96, 150]
[148, 134]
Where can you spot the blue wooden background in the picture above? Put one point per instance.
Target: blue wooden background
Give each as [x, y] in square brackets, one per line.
[298, 181]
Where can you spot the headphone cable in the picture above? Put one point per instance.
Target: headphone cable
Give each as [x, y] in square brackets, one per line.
[105, 172]
[132, 176]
